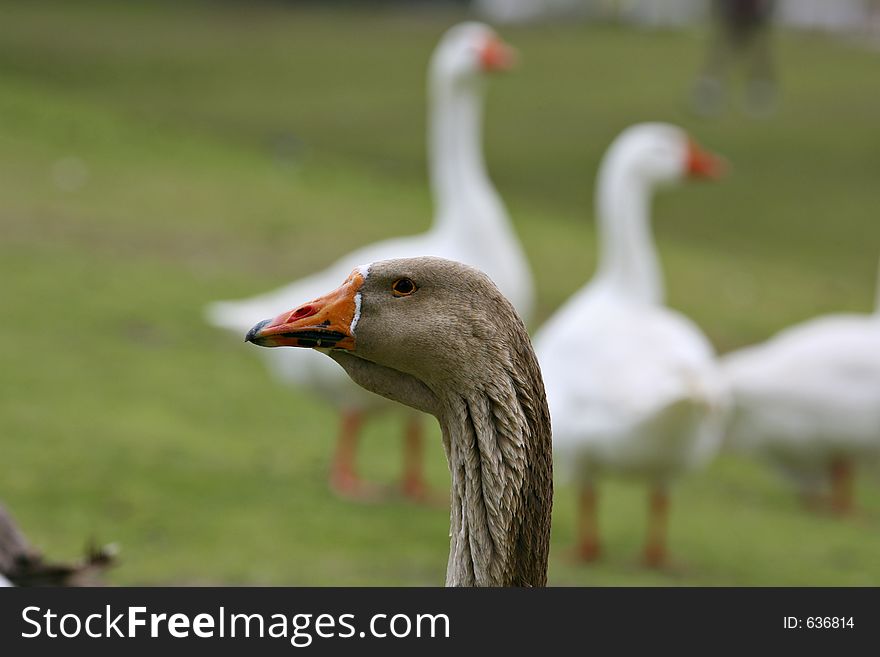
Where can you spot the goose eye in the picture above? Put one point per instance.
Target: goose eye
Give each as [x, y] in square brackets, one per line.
[403, 287]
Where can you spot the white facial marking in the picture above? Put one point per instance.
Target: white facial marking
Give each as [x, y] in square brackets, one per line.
[357, 313]
[364, 271]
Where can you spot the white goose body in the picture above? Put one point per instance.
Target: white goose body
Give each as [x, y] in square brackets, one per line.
[633, 387]
[641, 395]
[809, 397]
[640, 391]
[470, 225]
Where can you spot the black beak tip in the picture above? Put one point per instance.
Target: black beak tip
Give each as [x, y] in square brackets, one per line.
[252, 334]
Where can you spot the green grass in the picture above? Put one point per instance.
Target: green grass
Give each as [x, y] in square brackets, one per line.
[220, 143]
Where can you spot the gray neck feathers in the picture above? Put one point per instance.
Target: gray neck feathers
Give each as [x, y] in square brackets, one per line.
[489, 398]
[497, 440]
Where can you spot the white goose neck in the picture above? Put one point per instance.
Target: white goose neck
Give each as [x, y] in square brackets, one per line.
[628, 258]
[457, 167]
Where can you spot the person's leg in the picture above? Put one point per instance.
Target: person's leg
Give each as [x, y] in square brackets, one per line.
[761, 87]
[707, 96]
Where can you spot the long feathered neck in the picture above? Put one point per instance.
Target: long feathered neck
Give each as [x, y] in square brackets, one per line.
[456, 164]
[489, 399]
[468, 209]
[627, 259]
[497, 438]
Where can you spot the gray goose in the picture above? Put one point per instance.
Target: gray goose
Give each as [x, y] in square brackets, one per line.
[438, 336]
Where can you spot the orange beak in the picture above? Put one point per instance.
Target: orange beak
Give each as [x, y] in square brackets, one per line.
[495, 55]
[703, 164]
[327, 322]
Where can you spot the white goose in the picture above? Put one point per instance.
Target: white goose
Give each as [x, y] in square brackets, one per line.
[470, 226]
[633, 387]
[808, 402]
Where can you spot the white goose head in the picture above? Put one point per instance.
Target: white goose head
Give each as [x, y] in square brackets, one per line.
[467, 51]
[659, 153]
[642, 158]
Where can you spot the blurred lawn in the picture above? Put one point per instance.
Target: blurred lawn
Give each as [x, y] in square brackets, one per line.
[220, 144]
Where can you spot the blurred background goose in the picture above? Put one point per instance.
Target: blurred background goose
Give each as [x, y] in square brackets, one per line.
[439, 336]
[22, 564]
[808, 402]
[470, 225]
[633, 386]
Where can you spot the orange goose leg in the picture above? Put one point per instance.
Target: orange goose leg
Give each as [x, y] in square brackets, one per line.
[841, 487]
[588, 525]
[344, 480]
[414, 485]
[658, 514]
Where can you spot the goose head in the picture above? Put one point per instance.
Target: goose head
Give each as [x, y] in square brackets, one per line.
[659, 154]
[468, 51]
[438, 336]
[641, 159]
[427, 318]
